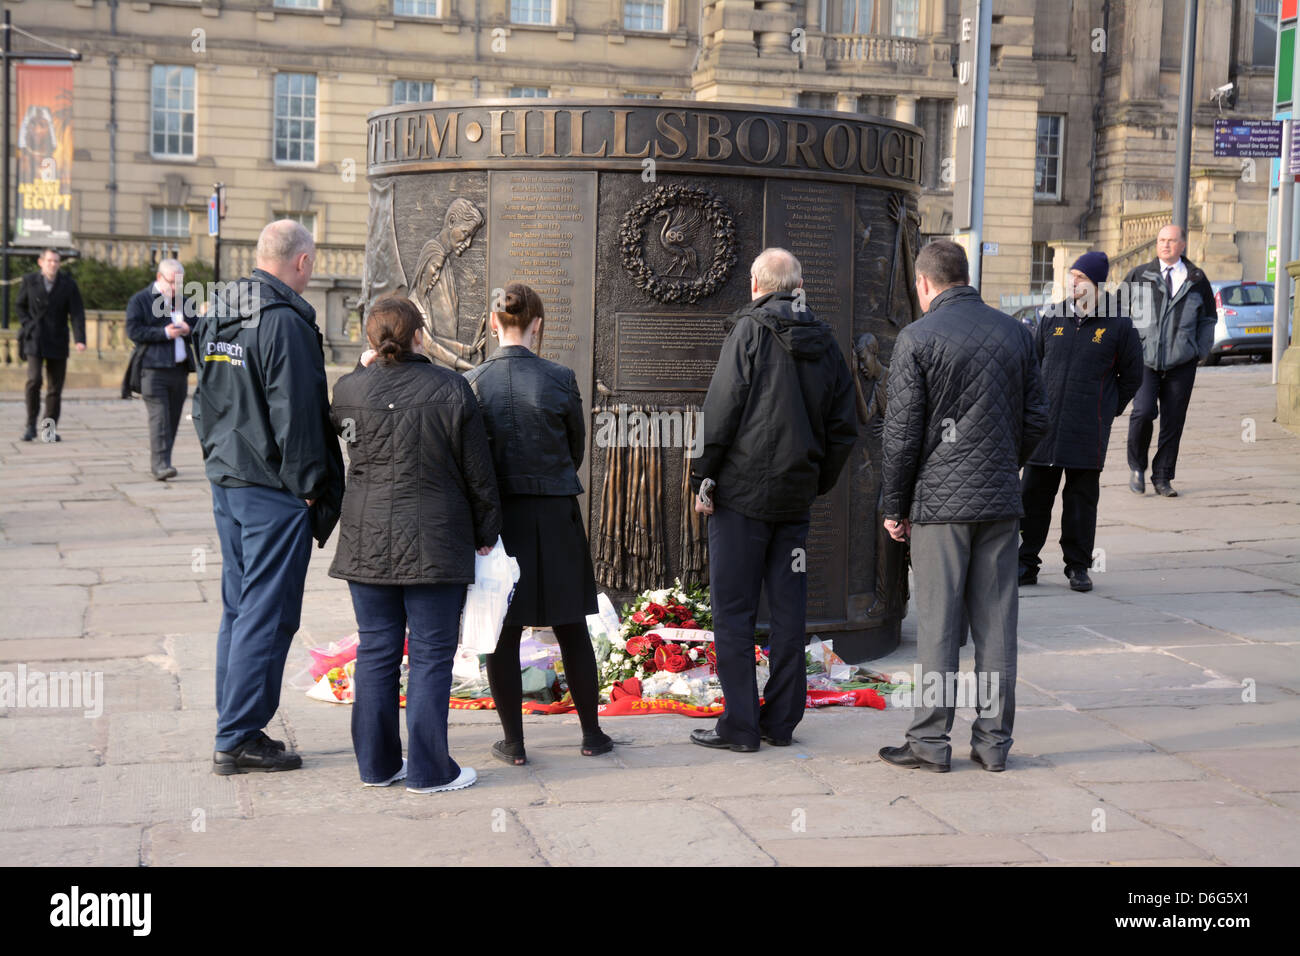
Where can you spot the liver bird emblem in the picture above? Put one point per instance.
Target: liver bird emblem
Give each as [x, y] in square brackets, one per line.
[677, 237]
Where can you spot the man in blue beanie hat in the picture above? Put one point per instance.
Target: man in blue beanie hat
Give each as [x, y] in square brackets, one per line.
[1091, 360]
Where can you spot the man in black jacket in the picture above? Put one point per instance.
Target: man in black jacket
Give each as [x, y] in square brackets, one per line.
[261, 410]
[779, 424]
[966, 406]
[1091, 361]
[1174, 312]
[47, 301]
[158, 318]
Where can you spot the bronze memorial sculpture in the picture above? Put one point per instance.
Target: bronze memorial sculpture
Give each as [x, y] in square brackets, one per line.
[635, 220]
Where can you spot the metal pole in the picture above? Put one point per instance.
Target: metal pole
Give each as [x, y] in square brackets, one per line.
[979, 137]
[1282, 278]
[4, 225]
[1186, 97]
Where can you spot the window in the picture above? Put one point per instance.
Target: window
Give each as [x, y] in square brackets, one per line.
[938, 167]
[1247, 295]
[170, 221]
[1041, 270]
[815, 100]
[307, 219]
[539, 92]
[295, 118]
[855, 16]
[298, 4]
[415, 8]
[530, 11]
[643, 14]
[171, 124]
[412, 91]
[1265, 37]
[1047, 162]
[905, 17]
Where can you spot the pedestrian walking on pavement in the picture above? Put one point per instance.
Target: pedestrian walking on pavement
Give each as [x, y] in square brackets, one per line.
[1174, 313]
[48, 301]
[261, 410]
[780, 420]
[159, 319]
[421, 498]
[1091, 362]
[966, 406]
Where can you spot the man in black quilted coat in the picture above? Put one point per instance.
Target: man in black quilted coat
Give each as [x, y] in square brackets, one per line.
[1092, 367]
[966, 407]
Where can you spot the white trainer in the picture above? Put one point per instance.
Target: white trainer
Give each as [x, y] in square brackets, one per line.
[400, 775]
[466, 779]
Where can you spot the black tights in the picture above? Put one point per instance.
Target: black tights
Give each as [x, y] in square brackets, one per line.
[579, 672]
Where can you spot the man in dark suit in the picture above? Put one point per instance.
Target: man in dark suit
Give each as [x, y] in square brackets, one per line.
[1174, 312]
[47, 301]
[158, 318]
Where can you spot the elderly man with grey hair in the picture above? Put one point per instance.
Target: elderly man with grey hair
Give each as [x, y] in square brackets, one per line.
[780, 420]
[262, 414]
[158, 320]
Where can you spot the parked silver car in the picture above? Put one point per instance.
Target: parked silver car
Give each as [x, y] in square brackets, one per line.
[1245, 325]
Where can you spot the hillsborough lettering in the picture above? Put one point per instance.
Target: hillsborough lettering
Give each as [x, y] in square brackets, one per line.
[834, 146]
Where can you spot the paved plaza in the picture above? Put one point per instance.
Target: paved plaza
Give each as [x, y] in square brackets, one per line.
[1158, 717]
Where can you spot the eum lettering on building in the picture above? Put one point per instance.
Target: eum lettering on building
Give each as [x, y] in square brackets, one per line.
[609, 134]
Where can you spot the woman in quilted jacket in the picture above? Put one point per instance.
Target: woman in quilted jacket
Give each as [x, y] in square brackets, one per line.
[421, 498]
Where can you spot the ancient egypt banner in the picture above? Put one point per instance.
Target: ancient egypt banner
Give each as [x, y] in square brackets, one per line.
[44, 213]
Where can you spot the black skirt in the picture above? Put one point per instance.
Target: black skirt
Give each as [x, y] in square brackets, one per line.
[557, 583]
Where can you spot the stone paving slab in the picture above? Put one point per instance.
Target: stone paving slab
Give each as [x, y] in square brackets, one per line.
[1129, 700]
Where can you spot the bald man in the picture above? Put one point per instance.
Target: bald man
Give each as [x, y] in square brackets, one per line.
[262, 413]
[780, 420]
[1172, 304]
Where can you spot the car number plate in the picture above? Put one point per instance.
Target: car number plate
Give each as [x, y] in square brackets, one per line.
[1257, 329]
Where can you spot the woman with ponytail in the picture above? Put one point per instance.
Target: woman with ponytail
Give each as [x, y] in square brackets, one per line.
[421, 498]
[536, 425]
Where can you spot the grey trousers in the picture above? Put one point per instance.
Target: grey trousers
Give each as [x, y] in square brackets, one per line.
[163, 391]
[970, 566]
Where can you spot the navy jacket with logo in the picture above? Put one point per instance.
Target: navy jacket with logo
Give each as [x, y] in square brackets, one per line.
[1091, 372]
[261, 407]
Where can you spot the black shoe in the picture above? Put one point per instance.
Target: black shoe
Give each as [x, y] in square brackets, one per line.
[277, 744]
[1028, 576]
[903, 757]
[511, 752]
[254, 755]
[990, 767]
[29, 433]
[1163, 488]
[164, 474]
[1079, 580]
[1137, 483]
[597, 744]
[710, 738]
[778, 741]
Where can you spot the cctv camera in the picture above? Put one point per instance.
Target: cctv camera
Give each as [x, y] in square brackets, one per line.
[1223, 90]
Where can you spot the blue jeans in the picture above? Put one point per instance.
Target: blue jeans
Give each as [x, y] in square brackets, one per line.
[265, 549]
[432, 611]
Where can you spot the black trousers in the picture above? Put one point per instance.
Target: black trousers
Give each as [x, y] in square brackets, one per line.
[55, 370]
[746, 555]
[163, 391]
[1171, 390]
[1078, 513]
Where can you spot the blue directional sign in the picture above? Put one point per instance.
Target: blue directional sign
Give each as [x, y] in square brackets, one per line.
[1259, 138]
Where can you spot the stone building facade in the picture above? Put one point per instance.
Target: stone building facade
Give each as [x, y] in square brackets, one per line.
[270, 97]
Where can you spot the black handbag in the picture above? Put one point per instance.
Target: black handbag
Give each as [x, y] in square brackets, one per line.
[131, 381]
